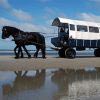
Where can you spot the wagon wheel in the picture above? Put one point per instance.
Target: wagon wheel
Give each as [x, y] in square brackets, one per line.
[70, 53]
[61, 53]
[97, 52]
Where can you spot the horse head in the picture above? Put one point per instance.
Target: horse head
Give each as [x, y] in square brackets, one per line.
[8, 30]
[5, 33]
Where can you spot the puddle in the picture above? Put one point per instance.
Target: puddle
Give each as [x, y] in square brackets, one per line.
[51, 84]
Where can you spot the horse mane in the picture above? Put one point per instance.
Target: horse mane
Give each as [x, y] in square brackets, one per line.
[11, 27]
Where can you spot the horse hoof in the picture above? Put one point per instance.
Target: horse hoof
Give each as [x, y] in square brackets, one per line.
[44, 57]
[35, 56]
[16, 57]
[22, 56]
[29, 56]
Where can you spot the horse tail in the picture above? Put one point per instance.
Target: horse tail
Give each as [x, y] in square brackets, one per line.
[43, 47]
[44, 43]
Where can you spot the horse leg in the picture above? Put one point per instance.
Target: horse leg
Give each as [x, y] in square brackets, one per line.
[20, 51]
[43, 52]
[36, 53]
[29, 56]
[16, 54]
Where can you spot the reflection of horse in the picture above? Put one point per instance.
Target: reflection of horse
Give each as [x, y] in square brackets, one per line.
[22, 38]
[23, 82]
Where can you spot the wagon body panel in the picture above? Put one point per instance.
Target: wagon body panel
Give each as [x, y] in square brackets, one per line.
[77, 38]
[77, 43]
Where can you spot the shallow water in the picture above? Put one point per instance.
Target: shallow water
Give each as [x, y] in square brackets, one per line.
[52, 84]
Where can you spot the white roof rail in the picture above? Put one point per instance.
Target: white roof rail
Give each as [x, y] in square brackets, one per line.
[60, 21]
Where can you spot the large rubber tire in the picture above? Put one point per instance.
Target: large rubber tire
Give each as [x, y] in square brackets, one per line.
[70, 53]
[97, 52]
[61, 53]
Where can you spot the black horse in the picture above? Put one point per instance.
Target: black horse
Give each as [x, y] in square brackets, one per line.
[22, 38]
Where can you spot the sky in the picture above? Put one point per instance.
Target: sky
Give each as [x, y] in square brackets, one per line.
[37, 15]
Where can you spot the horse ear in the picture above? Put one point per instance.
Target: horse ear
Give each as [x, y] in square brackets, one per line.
[3, 28]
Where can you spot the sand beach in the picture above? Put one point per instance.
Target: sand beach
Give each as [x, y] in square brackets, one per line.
[9, 63]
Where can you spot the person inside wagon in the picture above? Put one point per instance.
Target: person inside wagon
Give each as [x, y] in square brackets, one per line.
[64, 36]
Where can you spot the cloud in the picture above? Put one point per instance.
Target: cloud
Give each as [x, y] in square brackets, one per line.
[89, 17]
[5, 4]
[4, 22]
[24, 16]
[18, 13]
[51, 13]
[25, 26]
[48, 13]
[37, 28]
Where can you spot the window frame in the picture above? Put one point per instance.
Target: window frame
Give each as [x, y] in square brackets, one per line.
[96, 29]
[72, 27]
[82, 28]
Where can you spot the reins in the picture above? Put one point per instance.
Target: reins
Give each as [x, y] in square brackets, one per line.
[47, 46]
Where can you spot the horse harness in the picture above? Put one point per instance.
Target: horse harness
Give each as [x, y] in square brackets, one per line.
[21, 38]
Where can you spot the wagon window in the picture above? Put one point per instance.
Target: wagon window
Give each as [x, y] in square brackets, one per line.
[82, 28]
[72, 27]
[93, 29]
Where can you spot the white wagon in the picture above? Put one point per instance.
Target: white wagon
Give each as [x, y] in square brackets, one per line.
[76, 35]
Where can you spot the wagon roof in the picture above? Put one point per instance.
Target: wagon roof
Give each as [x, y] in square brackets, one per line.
[63, 21]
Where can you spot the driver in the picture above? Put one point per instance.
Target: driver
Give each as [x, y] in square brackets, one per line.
[64, 36]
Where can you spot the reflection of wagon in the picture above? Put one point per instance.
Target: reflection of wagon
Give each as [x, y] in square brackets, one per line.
[76, 35]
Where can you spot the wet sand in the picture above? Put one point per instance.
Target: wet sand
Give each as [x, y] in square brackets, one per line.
[79, 80]
[9, 63]
[66, 84]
